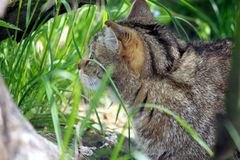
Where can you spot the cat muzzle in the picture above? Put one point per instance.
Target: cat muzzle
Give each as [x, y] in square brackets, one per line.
[83, 64]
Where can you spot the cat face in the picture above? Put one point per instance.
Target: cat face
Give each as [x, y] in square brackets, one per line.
[103, 49]
[117, 47]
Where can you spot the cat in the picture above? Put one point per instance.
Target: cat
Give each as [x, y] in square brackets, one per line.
[152, 66]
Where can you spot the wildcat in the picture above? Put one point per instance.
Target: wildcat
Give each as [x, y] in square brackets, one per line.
[151, 65]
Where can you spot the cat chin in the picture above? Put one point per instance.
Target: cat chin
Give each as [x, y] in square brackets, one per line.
[92, 83]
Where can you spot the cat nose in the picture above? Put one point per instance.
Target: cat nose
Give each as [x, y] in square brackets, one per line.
[82, 64]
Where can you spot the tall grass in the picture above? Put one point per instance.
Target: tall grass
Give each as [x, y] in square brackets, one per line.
[41, 70]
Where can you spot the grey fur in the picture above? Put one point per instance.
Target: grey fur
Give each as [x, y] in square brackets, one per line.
[188, 78]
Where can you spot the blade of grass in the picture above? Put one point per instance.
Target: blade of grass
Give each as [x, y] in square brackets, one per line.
[233, 133]
[118, 111]
[118, 148]
[8, 25]
[216, 11]
[18, 16]
[54, 111]
[50, 52]
[29, 2]
[99, 121]
[73, 115]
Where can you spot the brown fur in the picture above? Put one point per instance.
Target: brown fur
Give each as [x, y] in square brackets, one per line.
[189, 79]
[132, 49]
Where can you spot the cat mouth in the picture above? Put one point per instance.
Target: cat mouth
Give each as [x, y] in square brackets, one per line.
[92, 83]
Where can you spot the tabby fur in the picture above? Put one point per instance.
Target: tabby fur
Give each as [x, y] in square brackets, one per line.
[151, 65]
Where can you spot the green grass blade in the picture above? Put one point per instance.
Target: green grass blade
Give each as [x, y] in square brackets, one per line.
[54, 111]
[18, 16]
[99, 121]
[233, 133]
[118, 148]
[29, 2]
[8, 25]
[73, 116]
[50, 52]
[118, 111]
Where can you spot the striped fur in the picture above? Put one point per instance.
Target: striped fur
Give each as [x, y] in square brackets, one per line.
[188, 78]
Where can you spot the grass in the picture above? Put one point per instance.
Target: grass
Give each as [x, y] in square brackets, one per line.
[41, 70]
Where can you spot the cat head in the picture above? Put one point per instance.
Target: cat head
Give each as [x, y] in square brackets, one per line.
[118, 47]
[137, 49]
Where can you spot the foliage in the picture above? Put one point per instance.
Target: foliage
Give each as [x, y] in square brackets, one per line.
[41, 70]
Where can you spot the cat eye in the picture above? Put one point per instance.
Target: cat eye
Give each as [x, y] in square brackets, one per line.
[82, 64]
[92, 55]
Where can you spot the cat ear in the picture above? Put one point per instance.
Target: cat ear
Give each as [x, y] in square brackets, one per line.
[140, 11]
[111, 40]
[124, 35]
[132, 47]
[119, 31]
